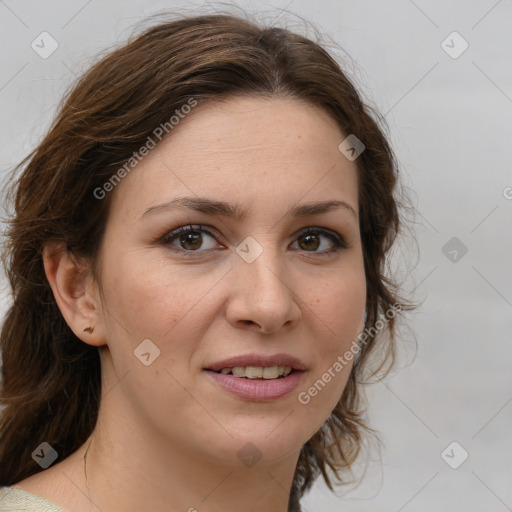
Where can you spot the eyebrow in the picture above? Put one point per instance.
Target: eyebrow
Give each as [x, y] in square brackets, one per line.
[223, 209]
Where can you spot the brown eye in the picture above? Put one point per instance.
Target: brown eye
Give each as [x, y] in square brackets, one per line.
[188, 239]
[191, 240]
[311, 240]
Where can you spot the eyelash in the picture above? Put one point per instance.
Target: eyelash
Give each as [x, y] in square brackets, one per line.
[336, 239]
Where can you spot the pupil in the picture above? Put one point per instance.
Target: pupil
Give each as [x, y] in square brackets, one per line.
[194, 238]
[309, 238]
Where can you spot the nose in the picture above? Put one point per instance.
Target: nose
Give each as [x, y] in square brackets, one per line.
[262, 297]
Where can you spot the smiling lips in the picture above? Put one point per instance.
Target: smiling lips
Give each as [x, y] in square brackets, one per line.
[258, 377]
[259, 361]
[258, 372]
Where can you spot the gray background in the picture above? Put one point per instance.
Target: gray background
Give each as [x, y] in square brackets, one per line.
[450, 125]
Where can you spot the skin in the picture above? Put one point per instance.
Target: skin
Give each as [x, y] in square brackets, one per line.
[167, 437]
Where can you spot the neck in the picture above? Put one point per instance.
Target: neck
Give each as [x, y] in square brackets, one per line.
[124, 465]
[125, 476]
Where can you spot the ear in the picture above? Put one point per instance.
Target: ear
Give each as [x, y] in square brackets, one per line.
[75, 292]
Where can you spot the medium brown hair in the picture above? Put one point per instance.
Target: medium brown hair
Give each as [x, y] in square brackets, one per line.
[51, 380]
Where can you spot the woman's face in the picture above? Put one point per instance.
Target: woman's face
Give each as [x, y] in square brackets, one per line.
[278, 280]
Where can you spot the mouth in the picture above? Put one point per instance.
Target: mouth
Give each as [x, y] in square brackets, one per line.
[258, 372]
[254, 366]
[257, 377]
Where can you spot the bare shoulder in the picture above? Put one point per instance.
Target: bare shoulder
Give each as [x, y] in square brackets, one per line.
[58, 484]
[44, 484]
[44, 480]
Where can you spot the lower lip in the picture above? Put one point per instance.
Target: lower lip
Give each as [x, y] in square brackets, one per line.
[258, 390]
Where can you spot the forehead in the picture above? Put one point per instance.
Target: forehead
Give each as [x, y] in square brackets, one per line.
[273, 149]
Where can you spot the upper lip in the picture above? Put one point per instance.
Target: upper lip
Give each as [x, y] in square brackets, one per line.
[259, 360]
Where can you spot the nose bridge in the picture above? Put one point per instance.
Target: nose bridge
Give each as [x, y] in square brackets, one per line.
[263, 296]
[262, 265]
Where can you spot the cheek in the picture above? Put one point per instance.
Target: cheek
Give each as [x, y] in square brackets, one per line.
[149, 299]
[337, 311]
[339, 305]
[147, 294]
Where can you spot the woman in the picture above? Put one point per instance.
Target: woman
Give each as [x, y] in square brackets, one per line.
[197, 263]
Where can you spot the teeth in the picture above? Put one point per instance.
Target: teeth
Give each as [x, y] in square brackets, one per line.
[253, 372]
[258, 372]
[270, 372]
[238, 371]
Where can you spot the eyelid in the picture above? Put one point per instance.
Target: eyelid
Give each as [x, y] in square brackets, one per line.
[330, 233]
[175, 233]
[337, 239]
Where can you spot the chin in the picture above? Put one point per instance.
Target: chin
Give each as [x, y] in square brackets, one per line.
[266, 441]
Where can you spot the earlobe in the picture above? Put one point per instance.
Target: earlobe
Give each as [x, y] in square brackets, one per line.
[69, 281]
